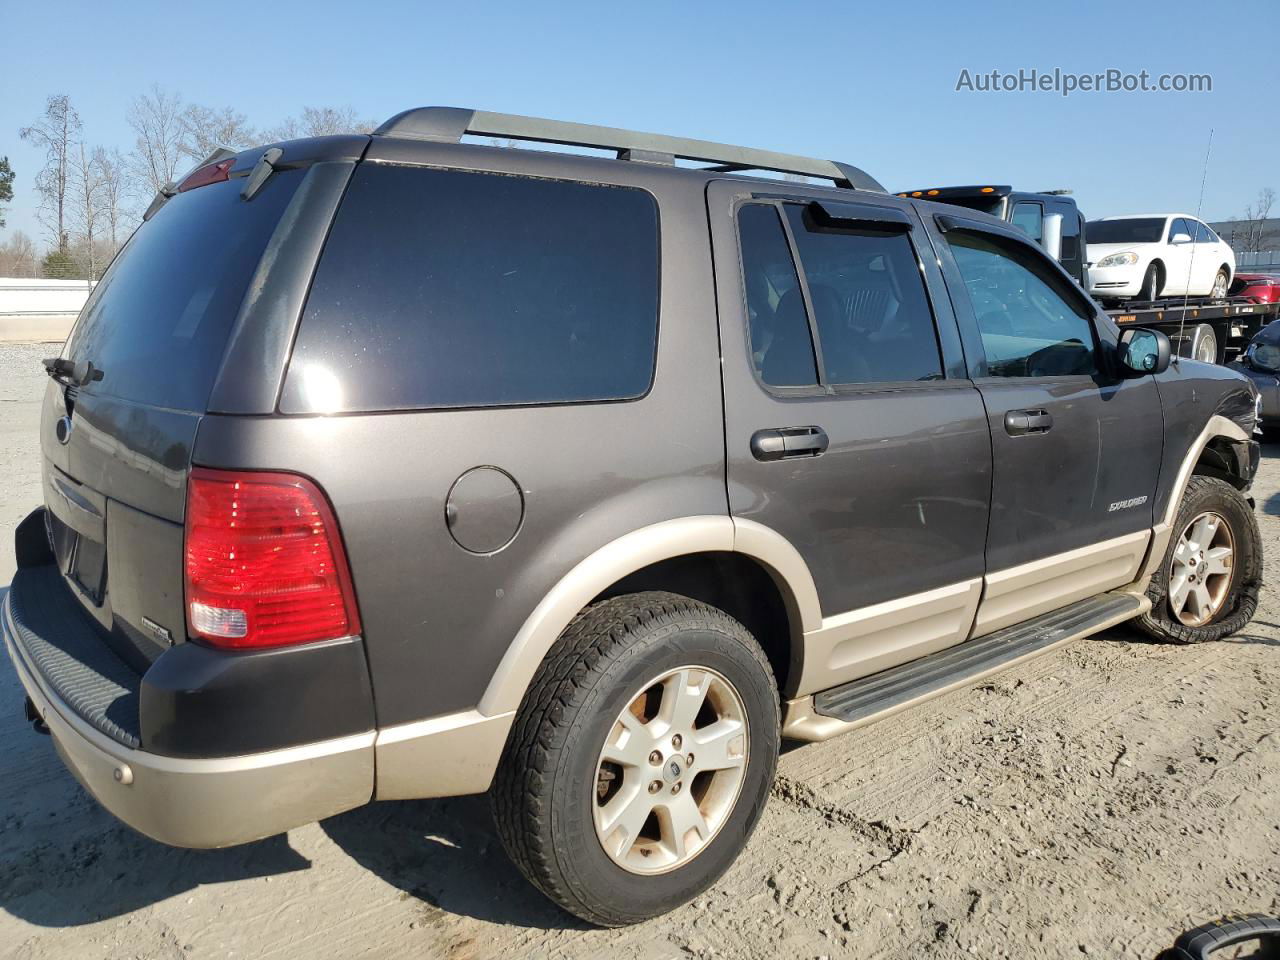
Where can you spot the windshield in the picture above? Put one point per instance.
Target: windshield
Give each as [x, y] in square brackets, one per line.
[1127, 230]
[157, 324]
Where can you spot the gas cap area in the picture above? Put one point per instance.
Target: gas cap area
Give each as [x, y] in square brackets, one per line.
[484, 510]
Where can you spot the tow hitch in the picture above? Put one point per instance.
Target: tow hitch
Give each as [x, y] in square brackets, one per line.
[37, 721]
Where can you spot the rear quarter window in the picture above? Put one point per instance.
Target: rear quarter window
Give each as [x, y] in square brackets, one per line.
[444, 288]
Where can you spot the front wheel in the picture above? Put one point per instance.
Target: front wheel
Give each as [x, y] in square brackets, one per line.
[1207, 585]
[1150, 288]
[641, 758]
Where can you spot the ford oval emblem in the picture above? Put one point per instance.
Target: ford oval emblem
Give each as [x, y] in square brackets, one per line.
[63, 430]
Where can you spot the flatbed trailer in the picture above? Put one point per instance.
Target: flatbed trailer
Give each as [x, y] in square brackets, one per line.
[1214, 330]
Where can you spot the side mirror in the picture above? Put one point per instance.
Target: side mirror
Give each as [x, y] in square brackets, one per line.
[1051, 228]
[1264, 357]
[1144, 351]
[1180, 238]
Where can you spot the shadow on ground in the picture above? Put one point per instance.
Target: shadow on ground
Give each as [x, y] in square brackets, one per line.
[446, 854]
[442, 852]
[109, 874]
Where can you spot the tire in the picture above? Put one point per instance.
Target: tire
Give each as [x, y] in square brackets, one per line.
[1208, 496]
[1150, 288]
[1204, 345]
[1221, 281]
[554, 782]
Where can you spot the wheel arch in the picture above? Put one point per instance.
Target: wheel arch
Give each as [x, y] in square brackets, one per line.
[1162, 272]
[699, 553]
[1205, 454]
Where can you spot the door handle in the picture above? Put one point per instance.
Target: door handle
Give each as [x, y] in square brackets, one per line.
[785, 443]
[1021, 423]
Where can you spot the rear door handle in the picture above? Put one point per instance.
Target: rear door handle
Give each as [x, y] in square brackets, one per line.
[1021, 423]
[785, 443]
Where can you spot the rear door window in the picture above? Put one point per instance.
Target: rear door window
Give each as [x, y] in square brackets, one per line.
[1203, 234]
[444, 288]
[781, 345]
[157, 324]
[862, 295]
[867, 293]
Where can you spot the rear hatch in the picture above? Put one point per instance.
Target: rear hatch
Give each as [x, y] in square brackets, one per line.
[117, 449]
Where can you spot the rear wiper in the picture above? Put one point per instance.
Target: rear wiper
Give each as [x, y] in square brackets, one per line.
[66, 372]
[263, 169]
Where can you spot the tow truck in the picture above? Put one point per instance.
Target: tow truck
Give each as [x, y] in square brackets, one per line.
[1216, 331]
[1049, 217]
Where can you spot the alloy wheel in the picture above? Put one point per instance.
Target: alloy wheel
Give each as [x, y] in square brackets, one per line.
[1200, 573]
[670, 771]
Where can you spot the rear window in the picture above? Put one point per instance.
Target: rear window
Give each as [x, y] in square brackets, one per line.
[442, 288]
[157, 324]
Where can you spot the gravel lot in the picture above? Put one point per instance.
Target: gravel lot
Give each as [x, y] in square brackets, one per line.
[1095, 801]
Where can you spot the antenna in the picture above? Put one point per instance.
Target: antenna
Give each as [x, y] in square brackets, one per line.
[1182, 320]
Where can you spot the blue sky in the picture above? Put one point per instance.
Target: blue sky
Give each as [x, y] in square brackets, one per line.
[872, 84]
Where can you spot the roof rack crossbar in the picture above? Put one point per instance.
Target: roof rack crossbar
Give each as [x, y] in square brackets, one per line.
[450, 124]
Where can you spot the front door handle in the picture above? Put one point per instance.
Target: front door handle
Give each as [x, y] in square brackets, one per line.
[1021, 423]
[785, 443]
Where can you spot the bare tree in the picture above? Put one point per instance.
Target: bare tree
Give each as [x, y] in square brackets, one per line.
[156, 119]
[319, 122]
[1255, 215]
[204, 129]
[18, 256]
[86, 212]
[57, 131]
[110, 168]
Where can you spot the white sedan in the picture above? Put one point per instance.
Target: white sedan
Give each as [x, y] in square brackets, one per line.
[1149, 256]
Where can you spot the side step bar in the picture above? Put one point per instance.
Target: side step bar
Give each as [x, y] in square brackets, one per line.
[859, 702]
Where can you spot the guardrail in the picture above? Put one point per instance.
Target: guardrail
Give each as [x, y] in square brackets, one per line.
[25, 297]
[1258, 260]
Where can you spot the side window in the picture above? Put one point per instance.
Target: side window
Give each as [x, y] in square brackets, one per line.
[1203, 234]
[1029, 218]
[870, 308]
[1031, 326]
[1179, 226]
[781, 345]
[443, 288]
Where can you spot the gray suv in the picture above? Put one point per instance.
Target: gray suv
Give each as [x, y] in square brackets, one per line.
[397, 466]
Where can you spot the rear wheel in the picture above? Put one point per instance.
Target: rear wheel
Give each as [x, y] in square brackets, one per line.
[641, 758]
[1220, 282]
[1207, 585]
[1204, 344]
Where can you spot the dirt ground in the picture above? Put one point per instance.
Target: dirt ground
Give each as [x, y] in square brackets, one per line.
[1095, 802]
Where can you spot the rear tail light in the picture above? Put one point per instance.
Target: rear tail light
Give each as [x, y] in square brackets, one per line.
[265, 565]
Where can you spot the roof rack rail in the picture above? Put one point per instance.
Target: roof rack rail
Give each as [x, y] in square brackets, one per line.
[449, 124]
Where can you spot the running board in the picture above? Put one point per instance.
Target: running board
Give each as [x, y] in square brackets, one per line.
[866, 699]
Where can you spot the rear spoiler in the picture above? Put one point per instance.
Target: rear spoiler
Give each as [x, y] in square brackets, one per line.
[171, 188]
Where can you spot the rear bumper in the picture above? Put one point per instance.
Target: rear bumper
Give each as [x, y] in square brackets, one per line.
[199, 802]
[202, 802]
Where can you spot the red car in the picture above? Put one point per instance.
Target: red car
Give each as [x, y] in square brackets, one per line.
[1262, 287]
